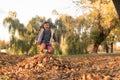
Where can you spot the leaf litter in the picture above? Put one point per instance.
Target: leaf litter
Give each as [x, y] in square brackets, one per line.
[48, 67]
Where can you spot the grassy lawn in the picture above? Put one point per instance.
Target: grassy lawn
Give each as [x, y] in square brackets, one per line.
[88, 55]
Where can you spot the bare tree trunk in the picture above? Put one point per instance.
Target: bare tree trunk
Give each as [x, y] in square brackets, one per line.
[102, 37]
[117, 6]
[95, 48]
[111, 45]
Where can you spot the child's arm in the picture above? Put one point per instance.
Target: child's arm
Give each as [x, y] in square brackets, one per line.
[39, 36]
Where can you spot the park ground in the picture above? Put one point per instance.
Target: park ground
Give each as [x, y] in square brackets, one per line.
[51, 67]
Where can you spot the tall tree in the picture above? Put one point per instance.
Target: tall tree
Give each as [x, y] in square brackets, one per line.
[14, 26]
[100, 19]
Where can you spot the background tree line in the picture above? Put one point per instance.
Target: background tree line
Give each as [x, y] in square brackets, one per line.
[96, 27]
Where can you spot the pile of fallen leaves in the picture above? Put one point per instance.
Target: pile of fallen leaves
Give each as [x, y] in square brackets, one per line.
[39, 67]
[48, 67]
[7, 60]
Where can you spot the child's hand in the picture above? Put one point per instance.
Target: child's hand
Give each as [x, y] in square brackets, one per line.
[35, 42]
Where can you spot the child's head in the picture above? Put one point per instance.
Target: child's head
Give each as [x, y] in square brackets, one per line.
[46, 25]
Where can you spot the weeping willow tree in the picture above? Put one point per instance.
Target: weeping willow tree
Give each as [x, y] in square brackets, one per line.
[17, 31]
[71, 38]
[83, 31]
[65, 26]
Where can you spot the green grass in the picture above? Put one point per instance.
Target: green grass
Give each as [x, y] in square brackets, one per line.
[88, 55]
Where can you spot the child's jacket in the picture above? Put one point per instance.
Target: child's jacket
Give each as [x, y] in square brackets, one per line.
[43, 37]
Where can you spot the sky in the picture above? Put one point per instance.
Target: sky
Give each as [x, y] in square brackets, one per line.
[26, 9]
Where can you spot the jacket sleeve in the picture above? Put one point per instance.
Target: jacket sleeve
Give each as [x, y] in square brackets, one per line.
[40, 35]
